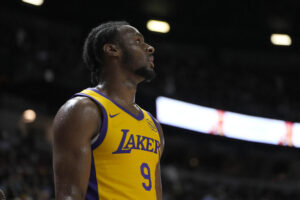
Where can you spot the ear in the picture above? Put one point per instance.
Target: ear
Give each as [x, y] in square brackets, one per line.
[111, 49]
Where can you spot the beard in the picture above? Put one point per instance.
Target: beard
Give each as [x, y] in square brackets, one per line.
[146, 73]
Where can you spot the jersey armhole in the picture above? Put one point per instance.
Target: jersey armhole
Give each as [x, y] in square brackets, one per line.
[155, 122]
[98, 138]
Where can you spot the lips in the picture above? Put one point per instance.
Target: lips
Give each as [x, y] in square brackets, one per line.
[151, 61]
[151, 65]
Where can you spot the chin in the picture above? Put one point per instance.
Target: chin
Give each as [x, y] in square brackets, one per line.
[147, 73]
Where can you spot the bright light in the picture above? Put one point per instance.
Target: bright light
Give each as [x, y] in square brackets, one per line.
[281, 39]
[34, 2]
[185, 115]
[256, 129]
[158, 26]
[233, 125]
[29, 116]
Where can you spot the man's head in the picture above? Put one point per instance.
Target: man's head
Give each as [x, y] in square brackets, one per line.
[119, 41]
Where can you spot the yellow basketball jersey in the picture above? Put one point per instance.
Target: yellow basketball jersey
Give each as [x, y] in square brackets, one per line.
[124, 154]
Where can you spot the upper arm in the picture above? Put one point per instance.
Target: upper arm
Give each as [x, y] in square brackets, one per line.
[74, 126]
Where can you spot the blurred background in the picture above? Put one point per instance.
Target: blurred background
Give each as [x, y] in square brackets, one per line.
[217, 54]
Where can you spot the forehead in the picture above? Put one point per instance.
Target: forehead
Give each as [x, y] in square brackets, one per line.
[128, 31]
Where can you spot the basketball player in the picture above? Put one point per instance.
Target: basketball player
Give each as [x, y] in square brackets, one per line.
[105, 146]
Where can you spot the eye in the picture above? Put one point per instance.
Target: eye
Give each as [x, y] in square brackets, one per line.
[138, 41]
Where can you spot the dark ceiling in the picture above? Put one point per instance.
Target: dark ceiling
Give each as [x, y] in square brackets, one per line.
[244, 23]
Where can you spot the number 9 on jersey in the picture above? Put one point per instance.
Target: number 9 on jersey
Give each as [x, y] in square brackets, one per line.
[145, 171]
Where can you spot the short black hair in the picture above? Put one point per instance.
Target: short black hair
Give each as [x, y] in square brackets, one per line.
[93, 46]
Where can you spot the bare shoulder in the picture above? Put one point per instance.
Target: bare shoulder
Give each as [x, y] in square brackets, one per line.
[77, 115]
[74, 126]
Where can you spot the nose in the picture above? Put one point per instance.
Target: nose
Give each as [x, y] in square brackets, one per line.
[150, 49]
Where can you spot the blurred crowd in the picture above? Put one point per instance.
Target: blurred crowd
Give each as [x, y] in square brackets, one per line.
[224, 170]
[191, 171]
[25, 166]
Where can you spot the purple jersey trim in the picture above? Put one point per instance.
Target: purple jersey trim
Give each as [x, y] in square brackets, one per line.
[103, 129]
[92, 191]
[138, 117]
[155, 122]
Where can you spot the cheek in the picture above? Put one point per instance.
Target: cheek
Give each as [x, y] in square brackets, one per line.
[139, 57]
[142, 61]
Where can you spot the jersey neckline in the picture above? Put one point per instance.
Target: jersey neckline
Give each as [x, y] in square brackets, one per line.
[140, 116]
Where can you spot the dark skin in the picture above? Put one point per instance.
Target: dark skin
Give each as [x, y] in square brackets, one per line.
[73, 133]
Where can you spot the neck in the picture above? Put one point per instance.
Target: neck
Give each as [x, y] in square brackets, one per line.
[119, 89]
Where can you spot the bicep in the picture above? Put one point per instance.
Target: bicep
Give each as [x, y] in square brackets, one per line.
[71, 169]
[72, 150]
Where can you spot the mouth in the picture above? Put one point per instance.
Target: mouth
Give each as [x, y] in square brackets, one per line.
[151, 61]
[151, 65]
